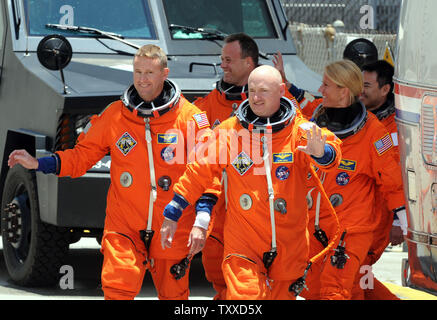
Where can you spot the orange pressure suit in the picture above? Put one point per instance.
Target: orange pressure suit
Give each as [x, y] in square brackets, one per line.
[219, 106]
[122, 133]
[247, 231]
[381, 235]
[369, 165]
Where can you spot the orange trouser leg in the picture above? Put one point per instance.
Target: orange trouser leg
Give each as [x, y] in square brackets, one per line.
[244, 279]
[312, 282]
[357, 291]
[363, 280]
[367, 287]
[280, 291]
[337, 284]
[379, 292]
[123, 269]
[212, 257]
[123, 272]
[166, 285]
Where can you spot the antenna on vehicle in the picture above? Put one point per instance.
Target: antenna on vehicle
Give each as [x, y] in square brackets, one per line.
[28, 34]
[54, 52]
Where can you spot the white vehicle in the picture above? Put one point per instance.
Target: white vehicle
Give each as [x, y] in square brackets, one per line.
[416, 117]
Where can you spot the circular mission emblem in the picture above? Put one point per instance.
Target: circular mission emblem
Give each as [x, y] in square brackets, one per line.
[342, 179]
[167, 154]
[282, 173]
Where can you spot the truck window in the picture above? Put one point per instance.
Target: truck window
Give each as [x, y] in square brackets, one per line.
[228, 16]
[131, 19]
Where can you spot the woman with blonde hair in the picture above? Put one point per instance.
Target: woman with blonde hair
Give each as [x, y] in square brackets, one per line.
[368, 166]
[348, 78]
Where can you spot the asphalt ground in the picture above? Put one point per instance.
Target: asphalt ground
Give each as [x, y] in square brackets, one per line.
[86, 259]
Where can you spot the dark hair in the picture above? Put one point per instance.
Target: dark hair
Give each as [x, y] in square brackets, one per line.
[248, 46]
[384, 72]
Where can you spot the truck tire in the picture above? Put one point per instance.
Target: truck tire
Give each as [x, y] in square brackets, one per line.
[33, 251]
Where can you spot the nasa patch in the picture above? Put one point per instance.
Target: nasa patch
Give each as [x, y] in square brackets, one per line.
[342, 179]
[167, 154]
[282, 173]
[126, 143]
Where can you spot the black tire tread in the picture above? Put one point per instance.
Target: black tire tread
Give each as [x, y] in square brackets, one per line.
[50, 243]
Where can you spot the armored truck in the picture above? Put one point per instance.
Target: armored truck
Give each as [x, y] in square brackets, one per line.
[62, 61]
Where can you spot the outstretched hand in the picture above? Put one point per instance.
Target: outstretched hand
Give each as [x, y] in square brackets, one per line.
[278, 62]
[315, 142]
[24, 158]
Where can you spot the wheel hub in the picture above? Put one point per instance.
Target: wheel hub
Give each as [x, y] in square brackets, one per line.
[13, 223]
[17, 225]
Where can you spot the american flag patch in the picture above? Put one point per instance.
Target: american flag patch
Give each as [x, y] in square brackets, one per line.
[383, 144]
[201, 120]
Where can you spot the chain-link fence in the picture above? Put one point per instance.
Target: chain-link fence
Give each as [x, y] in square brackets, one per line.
[322, 29]
[359, 16]
[317, 48]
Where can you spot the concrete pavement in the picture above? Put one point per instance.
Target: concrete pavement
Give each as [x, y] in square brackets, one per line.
[86, 260]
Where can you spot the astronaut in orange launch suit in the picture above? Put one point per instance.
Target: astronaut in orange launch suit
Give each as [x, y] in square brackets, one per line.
[369, 165]
[146, 134]
[239, 57]
[267, 150]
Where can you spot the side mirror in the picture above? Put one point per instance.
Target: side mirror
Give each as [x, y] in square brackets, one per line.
[54, 52]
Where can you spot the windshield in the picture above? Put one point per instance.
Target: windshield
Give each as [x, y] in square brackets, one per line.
[130, 19]
[228, 16]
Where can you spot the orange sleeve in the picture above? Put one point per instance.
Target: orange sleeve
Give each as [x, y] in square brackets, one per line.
[202, 175]
[203, 104]
[307, 105]
[199, 102]
[387, 170]
[91, 147]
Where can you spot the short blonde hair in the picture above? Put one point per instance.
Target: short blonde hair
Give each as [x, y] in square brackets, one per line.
[346, 74]
[153, 52]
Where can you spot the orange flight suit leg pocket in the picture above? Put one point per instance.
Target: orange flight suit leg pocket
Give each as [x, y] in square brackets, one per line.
[123, 269]
[244, 280]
